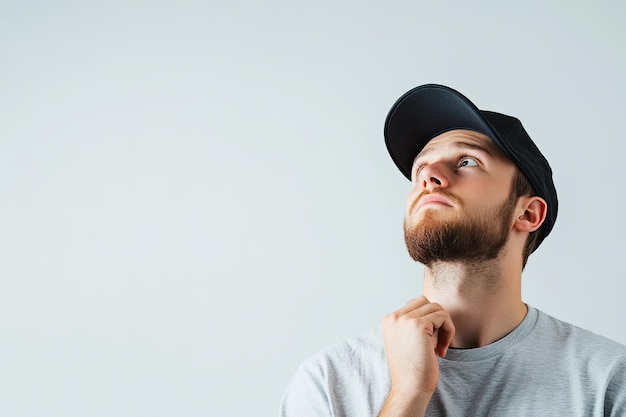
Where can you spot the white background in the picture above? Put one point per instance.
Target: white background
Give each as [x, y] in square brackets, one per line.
[195, 196]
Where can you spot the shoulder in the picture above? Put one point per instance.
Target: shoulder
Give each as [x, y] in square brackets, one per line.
[349, 355]
[597, 361]
[350, 378]
[579, 343]
[562, 329]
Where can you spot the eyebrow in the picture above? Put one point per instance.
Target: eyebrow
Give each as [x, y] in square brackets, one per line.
[460, 144]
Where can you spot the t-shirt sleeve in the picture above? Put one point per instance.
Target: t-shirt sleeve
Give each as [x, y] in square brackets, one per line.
[307, 393]
[615, 400]
[348, 379]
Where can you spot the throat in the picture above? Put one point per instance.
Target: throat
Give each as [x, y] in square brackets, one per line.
[483, 301]
[467, 279]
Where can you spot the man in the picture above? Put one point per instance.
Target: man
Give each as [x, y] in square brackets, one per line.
[482, 200]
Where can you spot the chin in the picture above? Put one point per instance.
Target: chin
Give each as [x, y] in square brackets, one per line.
[429, 215]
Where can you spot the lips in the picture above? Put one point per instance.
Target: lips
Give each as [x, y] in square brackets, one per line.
[432, 199]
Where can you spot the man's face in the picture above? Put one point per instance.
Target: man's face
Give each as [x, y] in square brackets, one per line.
[460, 206]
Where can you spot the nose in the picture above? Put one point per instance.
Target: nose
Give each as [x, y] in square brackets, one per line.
[433, 176]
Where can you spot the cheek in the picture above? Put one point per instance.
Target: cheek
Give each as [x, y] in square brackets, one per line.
[413, 194]
[488, 199]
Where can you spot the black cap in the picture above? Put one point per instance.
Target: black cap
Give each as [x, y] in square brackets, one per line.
[430, 110]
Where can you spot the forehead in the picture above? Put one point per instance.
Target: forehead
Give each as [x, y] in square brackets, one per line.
[463, 139]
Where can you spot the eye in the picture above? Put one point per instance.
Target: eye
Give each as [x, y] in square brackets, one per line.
[468, 161]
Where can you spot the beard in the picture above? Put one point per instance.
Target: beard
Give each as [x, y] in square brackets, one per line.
[471, 237]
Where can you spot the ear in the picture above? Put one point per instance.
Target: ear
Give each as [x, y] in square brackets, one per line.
[534, 211]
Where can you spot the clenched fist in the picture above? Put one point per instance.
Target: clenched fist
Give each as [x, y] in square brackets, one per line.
[414, 336]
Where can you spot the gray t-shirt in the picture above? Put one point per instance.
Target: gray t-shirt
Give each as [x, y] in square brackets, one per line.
[545, 367]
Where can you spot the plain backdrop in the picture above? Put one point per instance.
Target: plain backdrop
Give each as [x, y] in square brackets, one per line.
[195, 196]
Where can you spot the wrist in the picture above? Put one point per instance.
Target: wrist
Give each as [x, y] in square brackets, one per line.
[402, 403]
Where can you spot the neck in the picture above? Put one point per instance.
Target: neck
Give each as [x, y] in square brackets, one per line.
[483, 299]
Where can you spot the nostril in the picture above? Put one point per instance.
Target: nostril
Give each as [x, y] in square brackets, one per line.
[435, 180]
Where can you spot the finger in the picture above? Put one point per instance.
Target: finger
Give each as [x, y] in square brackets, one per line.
[445, 334]
[437, 320]
[412, 305]
[444, 340]
[424, 310]
[437, 323]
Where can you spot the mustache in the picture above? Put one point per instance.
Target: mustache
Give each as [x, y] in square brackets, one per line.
[456, 200]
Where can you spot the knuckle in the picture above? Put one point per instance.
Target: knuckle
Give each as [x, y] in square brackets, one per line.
[390, 318]
[420, 322]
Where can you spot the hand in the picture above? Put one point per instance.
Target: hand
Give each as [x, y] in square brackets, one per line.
[414, 336]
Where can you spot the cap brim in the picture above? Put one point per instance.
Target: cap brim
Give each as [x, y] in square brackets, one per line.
[425, 112]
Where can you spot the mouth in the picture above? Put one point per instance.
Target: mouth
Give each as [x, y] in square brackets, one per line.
[432, 200]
